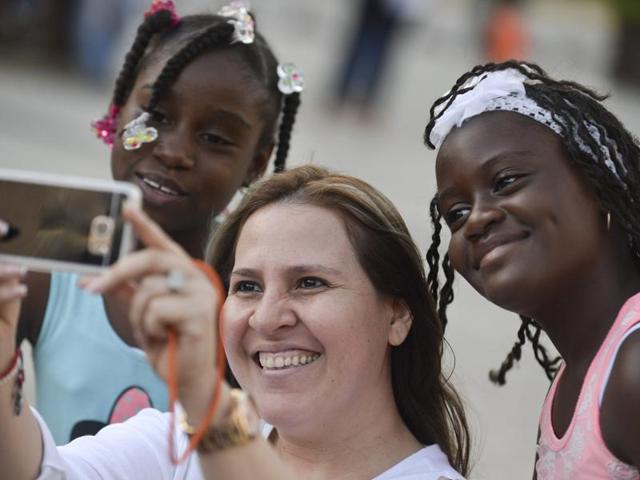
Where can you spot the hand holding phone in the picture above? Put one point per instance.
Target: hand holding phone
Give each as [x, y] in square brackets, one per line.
[56, 222]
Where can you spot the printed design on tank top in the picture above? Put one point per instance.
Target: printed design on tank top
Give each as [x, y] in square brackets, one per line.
[550, 460]
[618, 470]
[127, 404]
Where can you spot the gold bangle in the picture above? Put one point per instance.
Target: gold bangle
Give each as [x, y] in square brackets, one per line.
[241, 425]
[185, 426]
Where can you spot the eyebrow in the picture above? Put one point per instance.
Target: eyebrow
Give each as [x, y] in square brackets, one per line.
[294, 269]
[486, 166]
[220, 114]
[233, 117]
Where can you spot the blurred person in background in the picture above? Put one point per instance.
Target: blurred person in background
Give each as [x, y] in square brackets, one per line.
[97, 27]
[505, 34]
[367, 56]
[37, 28]
[75, 34]
[626, 67]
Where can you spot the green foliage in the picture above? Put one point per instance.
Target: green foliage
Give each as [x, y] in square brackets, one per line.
[629, 10]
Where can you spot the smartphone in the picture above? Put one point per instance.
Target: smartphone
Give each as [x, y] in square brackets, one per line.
[64, 223]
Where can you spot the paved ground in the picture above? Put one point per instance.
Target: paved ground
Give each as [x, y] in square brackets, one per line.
[43, 126]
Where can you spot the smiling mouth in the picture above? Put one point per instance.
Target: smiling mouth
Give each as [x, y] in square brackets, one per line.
[158, 187]
[495, 251]
[282, 361]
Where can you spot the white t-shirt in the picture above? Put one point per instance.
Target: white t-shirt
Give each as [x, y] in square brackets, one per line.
[137, 449]
[429, 463]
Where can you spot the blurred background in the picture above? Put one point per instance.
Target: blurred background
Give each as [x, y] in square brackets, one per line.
[372, 69]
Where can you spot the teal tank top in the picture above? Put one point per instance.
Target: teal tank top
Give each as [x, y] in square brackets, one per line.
[86, 376]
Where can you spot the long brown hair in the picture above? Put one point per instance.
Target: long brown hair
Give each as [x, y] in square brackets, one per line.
[427, 402]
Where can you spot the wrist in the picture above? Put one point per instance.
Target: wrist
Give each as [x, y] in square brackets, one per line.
[196, 405]
[236, 425]
[10, 367]
[12, 376]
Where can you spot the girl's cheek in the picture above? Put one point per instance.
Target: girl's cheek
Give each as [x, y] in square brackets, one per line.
[456, 253]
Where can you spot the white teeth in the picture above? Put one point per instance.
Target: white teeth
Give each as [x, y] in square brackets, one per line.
[274, 361]
[157, 186]
[168, 190]
[150, 182]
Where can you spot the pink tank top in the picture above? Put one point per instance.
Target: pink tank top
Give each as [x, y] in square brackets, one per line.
[581, 454]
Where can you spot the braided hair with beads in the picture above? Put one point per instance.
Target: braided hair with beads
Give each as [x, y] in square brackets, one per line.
[598, 145]
[186, 39]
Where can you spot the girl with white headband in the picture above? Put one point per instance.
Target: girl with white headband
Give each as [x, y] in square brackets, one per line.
[539, 185]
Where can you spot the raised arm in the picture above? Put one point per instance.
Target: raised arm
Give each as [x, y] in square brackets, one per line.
[619, 420]
[20, 439]
[190, 311]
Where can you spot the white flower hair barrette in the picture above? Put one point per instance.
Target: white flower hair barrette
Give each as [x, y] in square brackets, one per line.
[290, 77]
[136, 132]
[243, 23]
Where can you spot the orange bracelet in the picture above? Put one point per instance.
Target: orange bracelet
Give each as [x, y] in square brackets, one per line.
[15, 372]
[172, 379]
[12, 369]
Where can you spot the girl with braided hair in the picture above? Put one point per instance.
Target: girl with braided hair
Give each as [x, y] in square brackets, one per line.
[539, 185]
[192, 121]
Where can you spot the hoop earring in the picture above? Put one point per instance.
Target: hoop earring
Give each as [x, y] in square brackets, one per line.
[608, 221]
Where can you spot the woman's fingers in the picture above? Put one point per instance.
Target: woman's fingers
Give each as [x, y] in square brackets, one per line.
[191, 311]
[169, 311]
[12, 291]
[135, 266]
[163, 255]
[12, 272]
[7, 231]
[154, 307]
[150, 288]
[10, 286]
[149, 232]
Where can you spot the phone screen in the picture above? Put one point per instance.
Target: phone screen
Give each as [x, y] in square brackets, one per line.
[54, 223]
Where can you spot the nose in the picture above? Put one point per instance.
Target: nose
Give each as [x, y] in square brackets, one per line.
[273, 313]
[482, 217]
[174, 148]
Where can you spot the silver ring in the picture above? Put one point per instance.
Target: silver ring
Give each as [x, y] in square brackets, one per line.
[176, 281]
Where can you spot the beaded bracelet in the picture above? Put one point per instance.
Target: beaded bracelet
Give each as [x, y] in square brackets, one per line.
[15, 369]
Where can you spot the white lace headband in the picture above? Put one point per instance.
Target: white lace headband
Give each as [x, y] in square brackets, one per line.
[504, 90]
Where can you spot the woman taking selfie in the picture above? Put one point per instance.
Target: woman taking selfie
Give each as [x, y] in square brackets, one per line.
[329, 329]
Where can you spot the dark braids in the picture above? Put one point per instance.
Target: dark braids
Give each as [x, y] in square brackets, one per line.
[193, 36]
[212, 36]
[156, 23]
[499, 376]
[433, 256]
[442, 298]
[594, 139]
[525, 332]
[289, 110]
